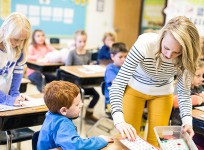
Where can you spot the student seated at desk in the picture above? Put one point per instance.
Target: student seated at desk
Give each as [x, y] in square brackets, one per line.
[118, 55]
[80, 56]
[14, 36]
[104, 52]
[64, 103]
[36, 52]
[197, 96]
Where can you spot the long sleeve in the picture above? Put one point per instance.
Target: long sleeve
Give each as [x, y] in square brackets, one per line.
[184, 100]
[59, 131]
[68, 138]
[118, 87]
[70, 58]
[17, 77]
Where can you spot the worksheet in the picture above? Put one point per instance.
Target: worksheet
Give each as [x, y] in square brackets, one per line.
[31, 102]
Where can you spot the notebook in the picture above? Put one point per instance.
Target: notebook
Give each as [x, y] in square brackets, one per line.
[200, 108]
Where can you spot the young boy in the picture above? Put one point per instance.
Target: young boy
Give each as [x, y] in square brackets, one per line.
[118, 55]
[63, 101]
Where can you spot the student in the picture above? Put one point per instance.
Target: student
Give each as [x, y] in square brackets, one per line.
[118, 55]
[148, 74]
[36, 52]
[80, 56]
[14, 35]
[197, 96]
[104, 52]
[64, 103]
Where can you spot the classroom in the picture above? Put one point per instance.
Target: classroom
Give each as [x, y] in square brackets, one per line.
[101, 74]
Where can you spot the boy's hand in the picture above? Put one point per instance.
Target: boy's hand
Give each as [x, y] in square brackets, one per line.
[106, 138]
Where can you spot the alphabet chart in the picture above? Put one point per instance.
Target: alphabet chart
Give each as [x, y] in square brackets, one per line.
[138, 144]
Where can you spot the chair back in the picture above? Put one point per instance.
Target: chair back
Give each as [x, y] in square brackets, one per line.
[103, 85]
[54, 40]
[35, 140]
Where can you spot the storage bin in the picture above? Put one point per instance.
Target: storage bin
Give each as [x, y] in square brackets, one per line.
[171, 138]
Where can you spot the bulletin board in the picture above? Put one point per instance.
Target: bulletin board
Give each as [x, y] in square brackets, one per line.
[193, 9]
[152, 16]
[58, 18]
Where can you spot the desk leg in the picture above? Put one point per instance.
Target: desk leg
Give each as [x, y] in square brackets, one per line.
[82, 108]
[9, 140]
[43, 81]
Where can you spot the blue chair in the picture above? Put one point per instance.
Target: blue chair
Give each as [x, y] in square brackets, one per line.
[35, 140]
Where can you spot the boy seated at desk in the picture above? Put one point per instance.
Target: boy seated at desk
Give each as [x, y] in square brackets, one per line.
[118, 55]
[63, 101]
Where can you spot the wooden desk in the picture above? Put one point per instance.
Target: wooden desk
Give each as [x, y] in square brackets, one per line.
[75, 75]
[23, 86]
[43, 67]
[84, 79]
[116, 145]
[21, 118]
[198, 122]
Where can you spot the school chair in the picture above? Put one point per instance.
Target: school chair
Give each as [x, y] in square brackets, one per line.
[35, 140]
[15, 136]
[54, 40]
[100, 123]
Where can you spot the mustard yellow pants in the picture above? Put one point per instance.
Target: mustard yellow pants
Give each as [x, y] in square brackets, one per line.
[159, 110]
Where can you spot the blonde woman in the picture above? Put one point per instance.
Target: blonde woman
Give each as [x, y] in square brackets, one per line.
[14, 35]
[148, 74]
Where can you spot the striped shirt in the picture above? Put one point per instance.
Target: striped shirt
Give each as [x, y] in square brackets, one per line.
[139, 72]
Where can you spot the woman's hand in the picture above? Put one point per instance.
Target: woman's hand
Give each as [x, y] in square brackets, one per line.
[126, 130]
[188, 128]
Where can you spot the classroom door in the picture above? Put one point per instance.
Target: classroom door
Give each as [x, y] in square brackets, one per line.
[127, 20]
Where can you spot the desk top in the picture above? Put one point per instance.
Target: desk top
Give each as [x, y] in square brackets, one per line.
[196, 114]
[116, 145]
[44, 63]
[23, 111]
[25, 81]
[84, 72]
[21, 118]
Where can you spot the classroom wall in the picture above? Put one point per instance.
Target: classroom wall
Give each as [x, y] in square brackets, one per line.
[97, 23]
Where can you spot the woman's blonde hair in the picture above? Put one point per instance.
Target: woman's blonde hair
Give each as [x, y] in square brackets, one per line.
[185, 32]
[15, 24]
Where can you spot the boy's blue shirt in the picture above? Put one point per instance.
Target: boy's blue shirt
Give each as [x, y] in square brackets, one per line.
[104, 53]
[59, 131]
[110, 74]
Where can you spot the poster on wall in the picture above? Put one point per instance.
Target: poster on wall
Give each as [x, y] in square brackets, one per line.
[152, 15]
[193, 9]
[55, 18]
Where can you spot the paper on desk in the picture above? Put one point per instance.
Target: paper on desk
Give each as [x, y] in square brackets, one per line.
[200, 108]
[202, 116]
[95, 68]
[32, 102]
